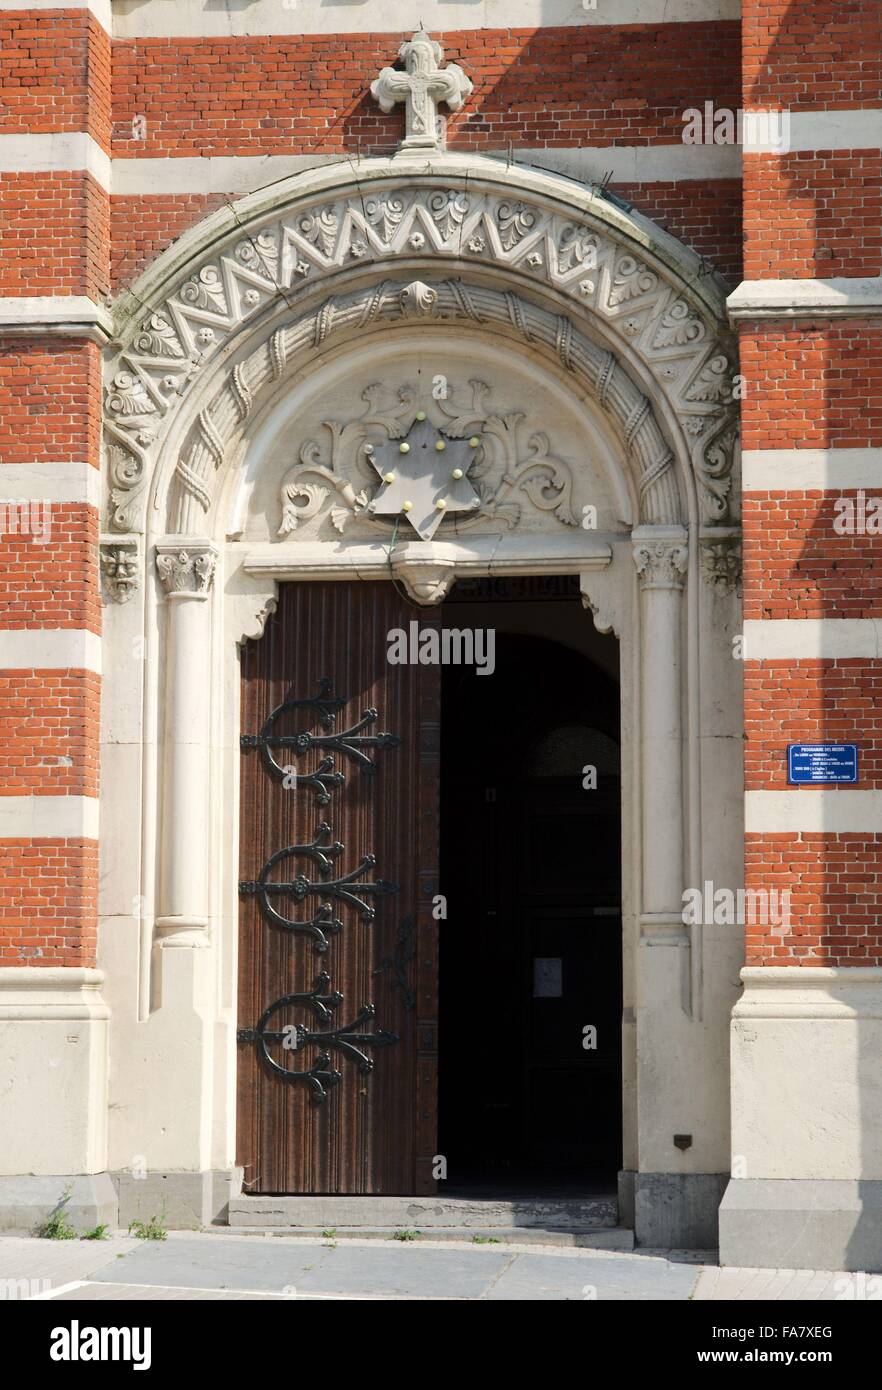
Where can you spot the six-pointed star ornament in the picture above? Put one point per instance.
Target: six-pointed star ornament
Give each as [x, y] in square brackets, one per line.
[425, 476]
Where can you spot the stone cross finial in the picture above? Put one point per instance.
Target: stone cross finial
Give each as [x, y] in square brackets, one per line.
[422, 86]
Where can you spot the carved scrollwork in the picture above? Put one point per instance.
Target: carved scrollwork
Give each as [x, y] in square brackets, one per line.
[502, 460]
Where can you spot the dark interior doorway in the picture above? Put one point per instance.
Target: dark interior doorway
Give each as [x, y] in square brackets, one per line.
[531, 950]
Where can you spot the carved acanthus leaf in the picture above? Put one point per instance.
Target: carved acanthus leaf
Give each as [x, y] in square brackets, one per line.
[631, 280]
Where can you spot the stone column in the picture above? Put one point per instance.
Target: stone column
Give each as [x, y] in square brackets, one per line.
[661, 555]
[186, 568]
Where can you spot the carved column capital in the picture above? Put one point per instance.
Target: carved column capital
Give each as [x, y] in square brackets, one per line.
[661, 554]
[186, 566]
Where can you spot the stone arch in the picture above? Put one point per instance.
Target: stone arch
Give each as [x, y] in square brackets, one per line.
[630, 313]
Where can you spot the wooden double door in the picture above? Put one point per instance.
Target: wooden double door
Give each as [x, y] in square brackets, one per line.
[339, 942]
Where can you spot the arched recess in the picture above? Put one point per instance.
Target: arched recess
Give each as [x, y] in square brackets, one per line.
[245, 310]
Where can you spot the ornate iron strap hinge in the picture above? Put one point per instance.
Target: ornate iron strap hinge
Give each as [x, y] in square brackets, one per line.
[293, 1037]
[351, 742]
[323, 852]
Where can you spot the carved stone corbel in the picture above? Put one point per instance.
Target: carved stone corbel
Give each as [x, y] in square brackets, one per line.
[426, 570]
[120, 566]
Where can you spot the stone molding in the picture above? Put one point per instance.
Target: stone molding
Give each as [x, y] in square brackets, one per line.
[843, 297]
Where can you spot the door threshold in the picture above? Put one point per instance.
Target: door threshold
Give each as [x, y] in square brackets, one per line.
[479, 1214]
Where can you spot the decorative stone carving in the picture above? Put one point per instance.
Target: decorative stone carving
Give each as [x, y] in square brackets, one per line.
[721, 562]
[119, 566]
[453, 457]
[422, 87]
[426, 571]
[661, 564]
[164, 353]
[418, 298]
[186, 571]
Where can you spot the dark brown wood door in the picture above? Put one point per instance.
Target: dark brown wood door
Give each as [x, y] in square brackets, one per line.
[336, 1094]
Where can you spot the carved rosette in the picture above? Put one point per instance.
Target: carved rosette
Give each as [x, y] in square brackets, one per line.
[186, 571]
[661, 563]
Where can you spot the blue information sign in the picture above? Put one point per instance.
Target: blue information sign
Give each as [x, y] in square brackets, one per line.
[821, 762]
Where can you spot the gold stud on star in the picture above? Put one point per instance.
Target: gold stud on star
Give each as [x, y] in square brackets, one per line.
[440, 446]
[440, 504]
[421, 415]
[406, 506]
[388, 477]
[474, 441]
[457, 473]
[404, 447]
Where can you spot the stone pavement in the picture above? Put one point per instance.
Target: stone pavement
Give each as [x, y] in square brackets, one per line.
[211, 1266]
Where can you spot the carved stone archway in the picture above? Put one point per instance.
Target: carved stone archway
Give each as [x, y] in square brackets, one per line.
[238, 312]
[623, 305]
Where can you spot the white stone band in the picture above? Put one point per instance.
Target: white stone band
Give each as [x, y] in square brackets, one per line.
[810, 470]
[833, 130]
[842, 297]
[50, 649]
[59, 153]
[99, 8]
[48, 817]
[51, 482]
[675, 163]
[812, 639]
[72, 316]
[193, 18]
[50, 992]
[813, 810]
[823, 991]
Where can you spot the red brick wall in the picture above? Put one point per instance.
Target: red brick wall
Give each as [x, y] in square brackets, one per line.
[812, 384]
[817, 55]
[307, 94]
[54, 235]
[47, 907]
[50, 400]
[54, 74]
[798, 566]
[810, 702]
[45, 719]
[813, 214]
[836, 898]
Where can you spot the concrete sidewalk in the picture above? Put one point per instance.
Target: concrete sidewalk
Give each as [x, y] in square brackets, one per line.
[198, 1266]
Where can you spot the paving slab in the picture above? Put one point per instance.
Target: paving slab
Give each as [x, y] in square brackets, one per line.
[279, 1266]
[30, 1266]
[544, 1277]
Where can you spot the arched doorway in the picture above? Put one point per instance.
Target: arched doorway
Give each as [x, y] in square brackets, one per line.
[608, 434]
